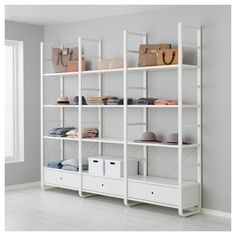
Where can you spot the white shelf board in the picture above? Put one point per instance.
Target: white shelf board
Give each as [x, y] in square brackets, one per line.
[103, 140]
[85, 172]
[76, 73]
[156, 144]
[145, 68]
[88, 72]
[102, 106]
[160, 106]
[61, 170]
[60, 138]
[60, 105]
[95, 140]
[116, 106]
[156, 68]
[161, 181]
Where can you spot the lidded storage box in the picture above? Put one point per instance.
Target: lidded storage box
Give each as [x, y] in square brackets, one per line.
[115, 167]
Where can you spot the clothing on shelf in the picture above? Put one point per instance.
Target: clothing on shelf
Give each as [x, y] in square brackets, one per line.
[160, 101]
[119, 101]
[72, 165]
[146, 101]
[76, 100]
[99, 100]
[63, 100]
[89, 133]
[86, 133]
[71, 162]
[55, 164]
[70, 168]
[59, 132]
[74, 133]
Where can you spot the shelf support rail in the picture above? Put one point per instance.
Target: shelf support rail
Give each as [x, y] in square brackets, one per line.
[145, 114]
[180, 119]
[199, 115]
[180, 112]
[41, 115]
[125, 116]
[61, 112]
[100, 94]
[79, 113]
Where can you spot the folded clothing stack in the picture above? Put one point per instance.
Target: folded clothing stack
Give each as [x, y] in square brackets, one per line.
[120, 101]
[99, 100]
[55, 164]
[72, 165]
[86, 133]
[76, 100]
[146, 101]
[160, 101]
[89, 133]
[60, 132]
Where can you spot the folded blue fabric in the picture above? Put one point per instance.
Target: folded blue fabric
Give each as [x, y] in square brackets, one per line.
[55, 164]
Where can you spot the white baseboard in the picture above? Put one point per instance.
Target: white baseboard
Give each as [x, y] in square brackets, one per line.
[21, 186]
[216, 213]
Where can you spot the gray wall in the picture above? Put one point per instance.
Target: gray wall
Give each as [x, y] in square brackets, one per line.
[162, 27]
[29, 170]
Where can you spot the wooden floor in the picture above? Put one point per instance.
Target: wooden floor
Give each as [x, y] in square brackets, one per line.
[58, 210]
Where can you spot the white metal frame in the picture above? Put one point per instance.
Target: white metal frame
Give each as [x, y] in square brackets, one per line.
[125, 142]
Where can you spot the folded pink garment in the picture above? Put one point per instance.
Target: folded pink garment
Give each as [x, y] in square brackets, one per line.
[73, 133]
[90, 130]
[165, 102]
[86, 133]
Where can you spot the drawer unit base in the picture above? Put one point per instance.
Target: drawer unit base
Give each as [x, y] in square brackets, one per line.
[161, 195]
[61, 178]
[102, 185]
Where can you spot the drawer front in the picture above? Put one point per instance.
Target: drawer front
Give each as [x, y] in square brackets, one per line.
[103, 185]
[153, 193]
[67, 180]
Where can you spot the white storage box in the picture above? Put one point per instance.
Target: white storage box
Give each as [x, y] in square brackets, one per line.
[96, 165]
[115, 167]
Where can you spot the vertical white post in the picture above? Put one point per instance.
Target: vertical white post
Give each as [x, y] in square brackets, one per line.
[145, 117]
[199, 116]
[61, 113]
[41, 115]
[125, 117]
[100, 94]
[180, 112]
[79, 113]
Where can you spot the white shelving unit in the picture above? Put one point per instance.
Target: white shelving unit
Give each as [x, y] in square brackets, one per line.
[176, 193]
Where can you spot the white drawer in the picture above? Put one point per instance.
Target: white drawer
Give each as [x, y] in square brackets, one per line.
[102, 185]
[61, 178]
[153, 193]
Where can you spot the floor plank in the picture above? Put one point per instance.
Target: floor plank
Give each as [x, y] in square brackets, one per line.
[62, 210]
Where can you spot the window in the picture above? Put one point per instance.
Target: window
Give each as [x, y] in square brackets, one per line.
[14, 102]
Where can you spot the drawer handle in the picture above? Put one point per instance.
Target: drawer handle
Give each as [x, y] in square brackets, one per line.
[61, 178]
[102, 185]
[112, 163]
[96, 161]
[152, 193]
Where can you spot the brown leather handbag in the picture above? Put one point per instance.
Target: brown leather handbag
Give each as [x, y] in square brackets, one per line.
[148, 53]
[72, 66]
[167, 57]
[61, 57]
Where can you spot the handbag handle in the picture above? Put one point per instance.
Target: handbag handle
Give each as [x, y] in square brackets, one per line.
[163, 57]
[59, 57]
